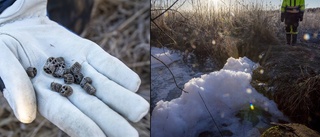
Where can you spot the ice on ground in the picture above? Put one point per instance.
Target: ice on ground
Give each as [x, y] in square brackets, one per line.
[162, 86]
[165, 55]
[237, 108]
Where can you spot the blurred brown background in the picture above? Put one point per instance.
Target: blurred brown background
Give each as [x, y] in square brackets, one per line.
[121, 27]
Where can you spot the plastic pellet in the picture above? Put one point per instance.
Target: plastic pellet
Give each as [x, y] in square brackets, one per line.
[55, 86]
[52, 60]
[68, 78]
[59, 71]
[85, 80]
[60, 60]
[67, 71]
[49, 68]
[77, 77]
[66, 90]
[75, 68]
[50, 65]
[32, 72]
[89, 89]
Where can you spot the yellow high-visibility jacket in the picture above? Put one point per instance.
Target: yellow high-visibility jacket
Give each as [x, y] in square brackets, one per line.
[292, 6]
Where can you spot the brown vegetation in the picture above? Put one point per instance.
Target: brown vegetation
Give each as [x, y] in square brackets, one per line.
[217, 35]
[289, 130]
[290, 76]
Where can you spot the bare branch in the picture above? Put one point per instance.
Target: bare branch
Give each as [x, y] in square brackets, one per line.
[174, 79]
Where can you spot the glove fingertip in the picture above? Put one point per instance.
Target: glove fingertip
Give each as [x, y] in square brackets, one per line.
[24, 110]
[27, 114]
[139, 117]
[142, 110]
[28, 118]
[135, 84]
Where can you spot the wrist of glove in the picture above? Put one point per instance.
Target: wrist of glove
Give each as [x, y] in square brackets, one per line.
[282, 16]
[28, 43]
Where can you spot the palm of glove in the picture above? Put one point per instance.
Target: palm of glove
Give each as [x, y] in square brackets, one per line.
[29, 42]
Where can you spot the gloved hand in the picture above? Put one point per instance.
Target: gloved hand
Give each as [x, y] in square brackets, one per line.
[282, 17]
[27, 39]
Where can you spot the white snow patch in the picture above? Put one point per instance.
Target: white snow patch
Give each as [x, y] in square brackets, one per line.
[226, 93]
[165, 55]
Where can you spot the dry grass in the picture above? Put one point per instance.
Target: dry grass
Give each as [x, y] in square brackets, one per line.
[122, 29]
[241, 30]
[289, 130]
[291, 78]
[216, 35]
[298, 100]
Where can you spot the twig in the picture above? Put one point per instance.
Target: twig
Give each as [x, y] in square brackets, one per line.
[172, 10]
[138, 64]
[214, 122]
[164, 11]
[164, 32]
[132, 18]
[35, 131]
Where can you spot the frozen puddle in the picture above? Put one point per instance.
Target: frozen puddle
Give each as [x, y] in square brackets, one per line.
[237, 108]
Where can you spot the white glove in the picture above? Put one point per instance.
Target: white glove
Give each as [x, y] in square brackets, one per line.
[27, 39]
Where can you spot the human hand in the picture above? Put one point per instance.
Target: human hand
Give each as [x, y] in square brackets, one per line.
[28, 38]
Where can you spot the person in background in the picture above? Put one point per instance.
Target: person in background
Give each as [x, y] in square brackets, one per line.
[291, 13]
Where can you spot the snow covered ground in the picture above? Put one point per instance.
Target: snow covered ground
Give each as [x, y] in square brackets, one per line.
[237, 108]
